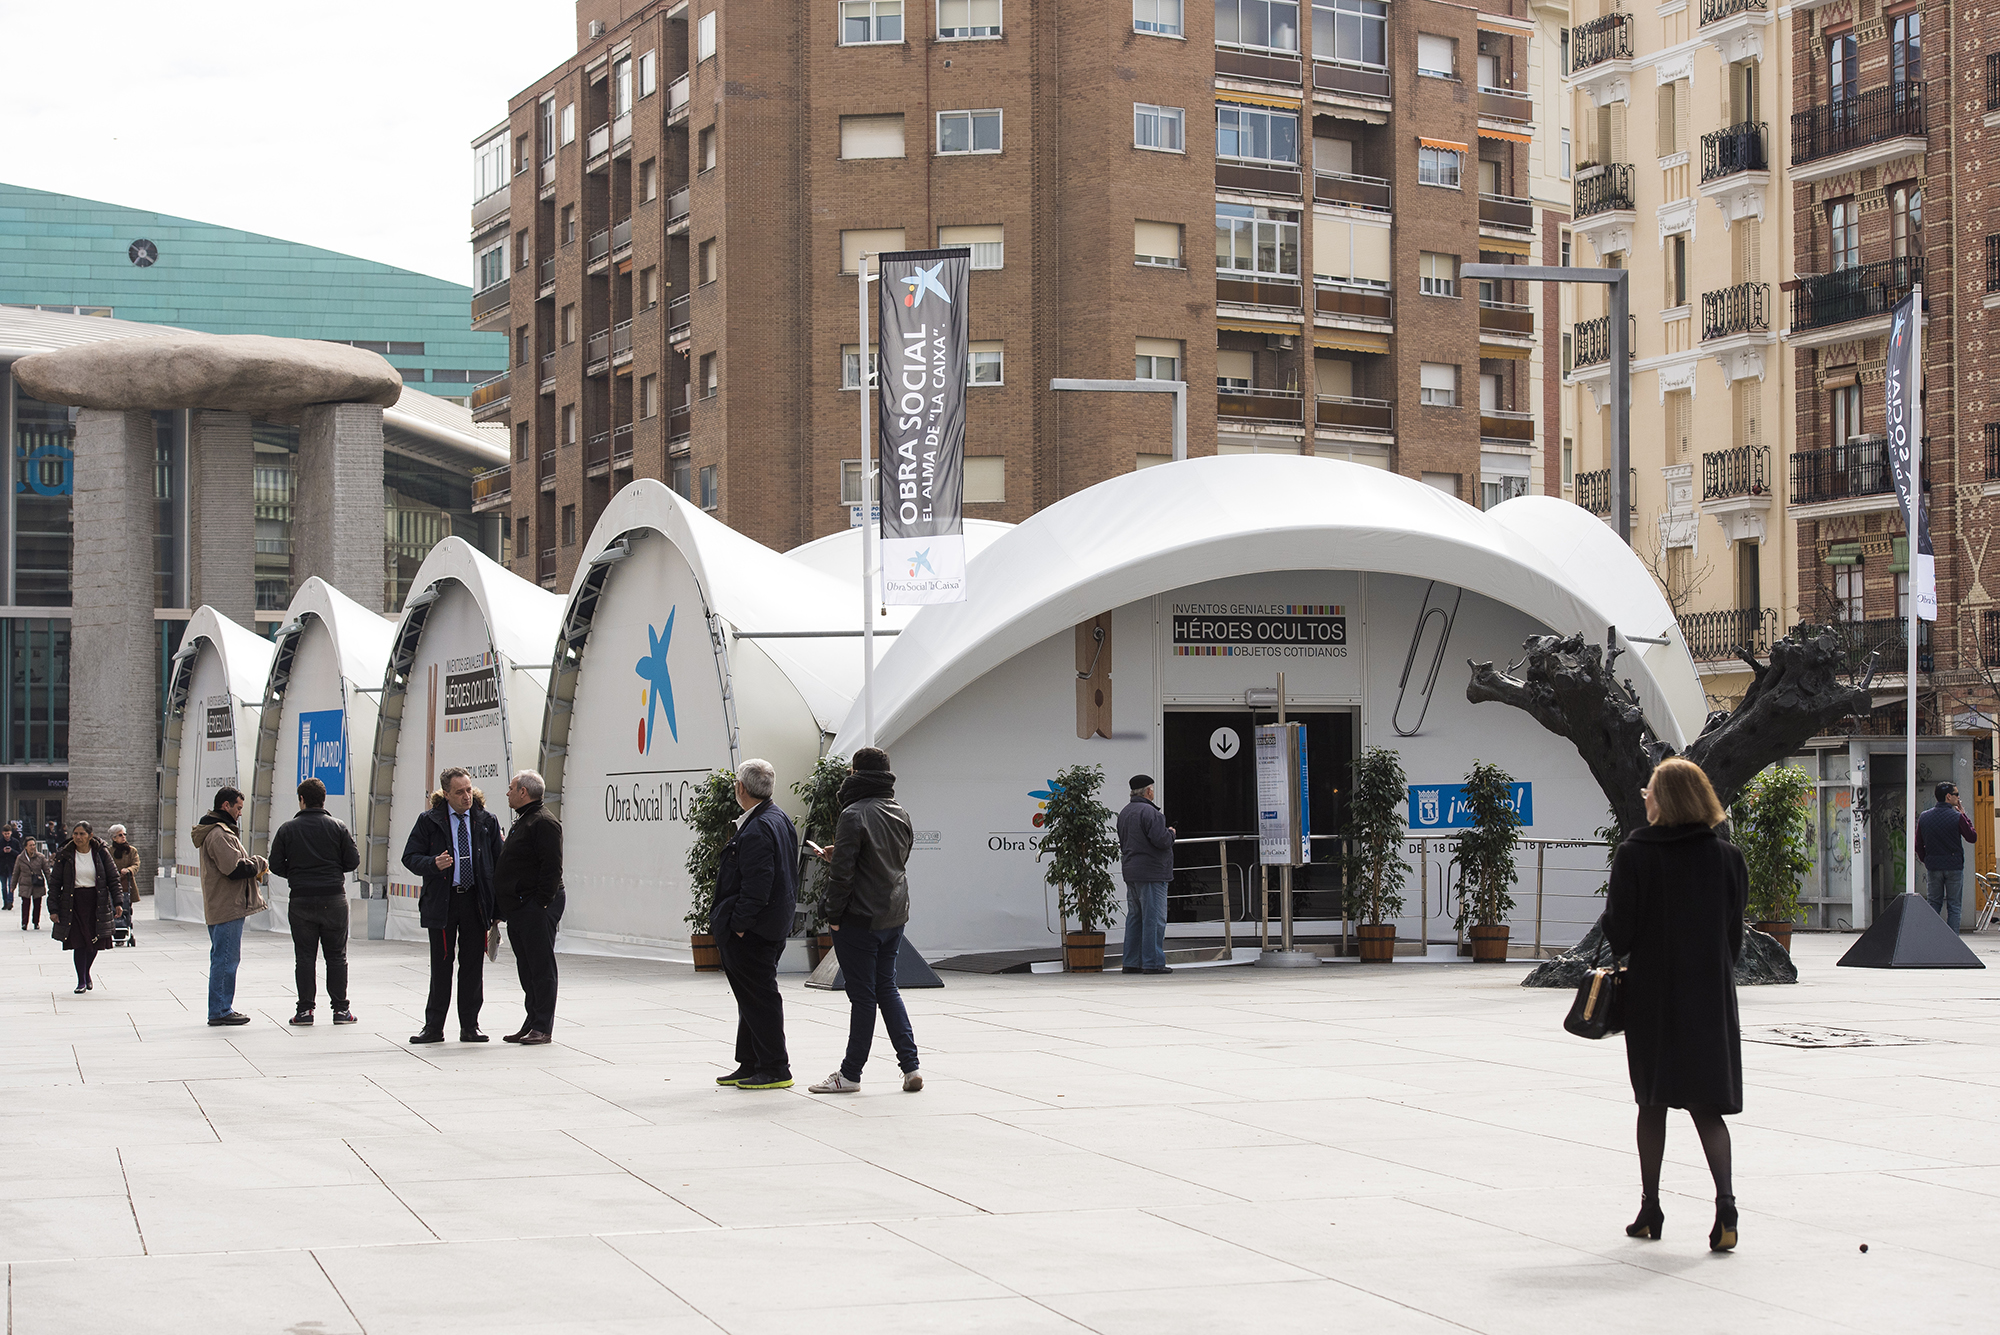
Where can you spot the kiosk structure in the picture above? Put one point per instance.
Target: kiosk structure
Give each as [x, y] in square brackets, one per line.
[327, 662]
[465, 686]
[215, 695]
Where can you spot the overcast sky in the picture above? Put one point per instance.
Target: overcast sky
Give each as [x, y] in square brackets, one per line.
[345, 125]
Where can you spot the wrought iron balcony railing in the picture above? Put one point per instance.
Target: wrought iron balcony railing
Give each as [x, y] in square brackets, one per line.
[1607, 192]
[1593, 490]
[1593, 43]
[1739, 148]
[1743, 471]
[1742, 309]
[1866, 290]
[1886, 636]
[1715, 11]
[1993, 451]
[1857, 469]
[1717, 635]
[1853, 122]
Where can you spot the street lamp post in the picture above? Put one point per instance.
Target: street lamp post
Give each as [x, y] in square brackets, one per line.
[1177, 388]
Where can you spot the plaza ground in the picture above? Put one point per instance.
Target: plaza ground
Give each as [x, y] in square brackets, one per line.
[1405, 1148]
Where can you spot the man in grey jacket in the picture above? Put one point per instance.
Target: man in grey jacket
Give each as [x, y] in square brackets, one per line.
[1147, 843]
[867, 903]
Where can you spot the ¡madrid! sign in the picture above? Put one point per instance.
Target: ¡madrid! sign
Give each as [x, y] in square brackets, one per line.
[1441, 806]
[924, 353]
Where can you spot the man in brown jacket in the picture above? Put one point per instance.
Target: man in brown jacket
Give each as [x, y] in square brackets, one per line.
[229, 877]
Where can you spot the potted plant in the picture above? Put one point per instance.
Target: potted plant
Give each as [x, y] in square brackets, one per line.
[1374, 834]
[1080, 848]
[1486, 861]
[820, 790]
[713, 816]
[1773, 826]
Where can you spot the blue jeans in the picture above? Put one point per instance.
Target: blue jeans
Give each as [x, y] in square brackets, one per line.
[868, 970]
[1945, 887]
[225, 949]
[1145, 925]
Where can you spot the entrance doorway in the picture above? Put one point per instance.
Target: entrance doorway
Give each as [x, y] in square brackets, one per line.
[1210, 792]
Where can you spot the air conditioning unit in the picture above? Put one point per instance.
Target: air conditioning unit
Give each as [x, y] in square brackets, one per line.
[1283, 342]
[596, 28]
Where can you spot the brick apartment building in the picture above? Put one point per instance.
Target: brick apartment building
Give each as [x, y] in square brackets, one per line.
[1273, 196]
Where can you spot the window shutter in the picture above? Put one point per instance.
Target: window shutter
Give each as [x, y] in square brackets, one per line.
[1844, 554]
[1683, 421]
[986, 14]
[1617, 145]
[1666, 120]
[1436, 375]
[1746, 243]
[1434, 53]
[1334, 378]
[985, 478]
[1158, 240]
[1371, 253]
[871, 137]
[1746, 412]
[874, 242]
[1235, 365]
[1681, 108]
[1333, 247]
[1899, 557]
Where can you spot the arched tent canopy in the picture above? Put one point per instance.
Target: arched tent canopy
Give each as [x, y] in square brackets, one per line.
[465, 685]
[328, 659]
[1160, 529]
[686, 647]
[218, 677]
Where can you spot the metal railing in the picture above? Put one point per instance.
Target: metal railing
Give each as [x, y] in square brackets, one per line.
[1993, 81]
[1257, 178]
[1993, 263]
[621, 234]
[1506, 317]
[1590, 341]
[1282, 293]
[1504, 104]
[1993, 451]
[1859, 468]
[677, 95]
[1345, 413]
[1338, 76]
[1261, 405]
[548, 272]
[490, 301]
[1607, 192]
[1717, 635]
[492, 391]
[1854, 122]
[621, 445]
[1886, 636]
[621, 127]
[597, 450]
[597, 246]
[679, 424]
[1266, 66]
[1742, 309]
[1714, 11]
[679, 316]
[1593, 43]
[548, 367]
[1505, 424]
[1593, 490]
[597, 347]
[1739, 148]
[547, 175]
[545, 470]
[599, 141]
[1356, 192]
[621, 338]
[545, 568]
[1507, 211]
[1354, 301]
[492, 484]
[1859, 293]
[677, 206]
[1743, 471]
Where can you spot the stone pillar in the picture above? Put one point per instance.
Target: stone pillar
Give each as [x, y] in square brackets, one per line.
[114, 647]
[222, 529]
[337, 514]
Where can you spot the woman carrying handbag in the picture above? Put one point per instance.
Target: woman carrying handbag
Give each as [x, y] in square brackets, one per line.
[1678, 891]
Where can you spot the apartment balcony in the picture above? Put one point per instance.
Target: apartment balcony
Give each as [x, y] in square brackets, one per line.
[621, 343]
[1605, 208]
[621, 131]
[597, 148]
[597, 455]
[621, 447]
[1599, 58]
[1735, 28]
[679, 426]
[490, 210]
[1261, 407]
[545, 566]
[545, 471]
[1345, 79]
[545, 285]
[1511, 322]
[548, 385]
[1257, 66]
[489, 305]
[1277, 294]
[1517, 10]
[1504, 104]
[1992, 453]
[490, 399]
[1851, 303]
[492, 488]
[1334, 412]
[680, 319]
[546, 177]
[1718, 636]
[1887, 641]
[1590, 345]
[678, 206]
[597, 352]
[1735, 171]
[597, 249]
[1742, 309]
[677, 100]
[1347, 301]
[1506, 212]
[621, 239]
[1257, 179]
[1593, 490]
[1855, 478]
[1504, 426]
[1352, 192]
[1736, 492]
[1858, 132]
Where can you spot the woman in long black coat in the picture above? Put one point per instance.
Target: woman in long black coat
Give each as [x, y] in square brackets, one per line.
[1678, 891]
[83, 896]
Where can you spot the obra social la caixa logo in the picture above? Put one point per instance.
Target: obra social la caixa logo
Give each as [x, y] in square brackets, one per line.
[1044, 796]
[658, 691]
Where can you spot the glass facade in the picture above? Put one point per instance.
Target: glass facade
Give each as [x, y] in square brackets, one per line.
[426, 504]
[35, 726]
[44, 479]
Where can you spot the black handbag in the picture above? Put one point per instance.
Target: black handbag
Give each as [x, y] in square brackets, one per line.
[1598, 1010]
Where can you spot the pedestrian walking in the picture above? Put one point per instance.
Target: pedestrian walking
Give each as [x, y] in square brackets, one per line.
[1146, 843]
[756, 894]
[1678, 891]
[867, 903]
[453, 846]
[83, 899]
[529, 895]
[1939, 832]
[229, 894]
[314, 851]
[11, 844]
[31, 880]
[125, 857]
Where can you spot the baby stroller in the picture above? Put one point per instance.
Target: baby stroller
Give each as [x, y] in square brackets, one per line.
[121, 917]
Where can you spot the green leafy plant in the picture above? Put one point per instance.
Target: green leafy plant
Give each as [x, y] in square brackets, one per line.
[1485, 852]
[821, 792]
[1613, 834]
[1080, 847]
[712, 816]
[1374, 833]
[1773, 825]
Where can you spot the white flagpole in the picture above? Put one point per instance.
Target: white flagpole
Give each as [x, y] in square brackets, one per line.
[1914, 391]
[867, 526]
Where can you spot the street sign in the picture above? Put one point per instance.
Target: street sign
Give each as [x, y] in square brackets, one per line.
[1284, 817]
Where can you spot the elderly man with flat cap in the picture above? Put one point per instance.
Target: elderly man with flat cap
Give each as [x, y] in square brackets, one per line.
[1147, 844]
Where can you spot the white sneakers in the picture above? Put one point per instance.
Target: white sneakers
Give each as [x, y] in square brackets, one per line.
[840, 1084]
[912, 1082]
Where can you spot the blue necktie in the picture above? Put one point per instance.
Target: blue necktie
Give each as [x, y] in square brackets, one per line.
[464, 855]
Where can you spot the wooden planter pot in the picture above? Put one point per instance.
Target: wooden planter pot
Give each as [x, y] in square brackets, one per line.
[1083, 952]
[1378, 942]
[818, 948]
[707, 954]
[1780, 931]
[1489, 945]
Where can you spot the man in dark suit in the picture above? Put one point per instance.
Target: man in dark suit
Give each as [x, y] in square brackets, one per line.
[530, 898]
[454, 847]
[756, 894]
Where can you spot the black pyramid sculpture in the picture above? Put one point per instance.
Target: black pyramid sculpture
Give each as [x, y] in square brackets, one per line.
[1910, 935]
[911, 970]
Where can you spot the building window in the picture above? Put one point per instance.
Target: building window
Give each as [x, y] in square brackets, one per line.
[1235, 370]
[569, 526]
[1849, 601]
[1252, 134]
[1568, 353]
[621, 87]
[521, 353]
[985, 479]
[968, 18]
[1437, 275]
[1566, 251]
[1156, 243]
[548, 127]
[1569, 461]
[1160, 128]
[705, 150]
[1440, 166]
[1840, 68]
[871, 137]
[649, 396]
[865, 22]
[872, 242]
[1270, 25]
[711, 494]
[850, 366]
[524, 540]
[489, 267]
[523, 252]
[1566, 160]
[568, 224]
[704, 38]
[1157, 16]
[984, 364]
[1844, 414]
[1437, 385]
[649, 289]
[988, 244]
[1351, 32]
[709, 383]
[523, 444]
[569, 424]
[1156, 359]
[1843, 222]
[489, 167]
[649, 181]
[968, 131]
[1677, 270]
[1906, 48]
[649, 73]
[1494, 490]
[1906, 221]
[707, 265]
[569, 324]
[850, 482]
[1437, 57]
[682, 482]
[569, 123]
[1260, 241]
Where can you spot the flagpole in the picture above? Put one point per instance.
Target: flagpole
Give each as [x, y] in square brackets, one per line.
[1916, 527]
[867, 525]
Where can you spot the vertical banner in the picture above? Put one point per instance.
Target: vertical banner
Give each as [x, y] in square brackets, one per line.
[1903, 414]
[924, 346]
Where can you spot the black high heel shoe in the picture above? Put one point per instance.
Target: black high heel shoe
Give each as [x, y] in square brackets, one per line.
[1650, 1220]
[1722, 1238]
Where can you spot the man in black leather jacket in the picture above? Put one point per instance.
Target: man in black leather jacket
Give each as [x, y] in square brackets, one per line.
[314, 852]
[756, 894]
[530, 897]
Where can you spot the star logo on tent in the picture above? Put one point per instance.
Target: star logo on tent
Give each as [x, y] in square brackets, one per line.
[921, 561]
[925, 280]
[659, 688]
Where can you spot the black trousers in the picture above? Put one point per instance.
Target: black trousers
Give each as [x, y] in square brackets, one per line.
[320, 925]
[465, 937]
[750, 963]
[531, 930]
[85, 956]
